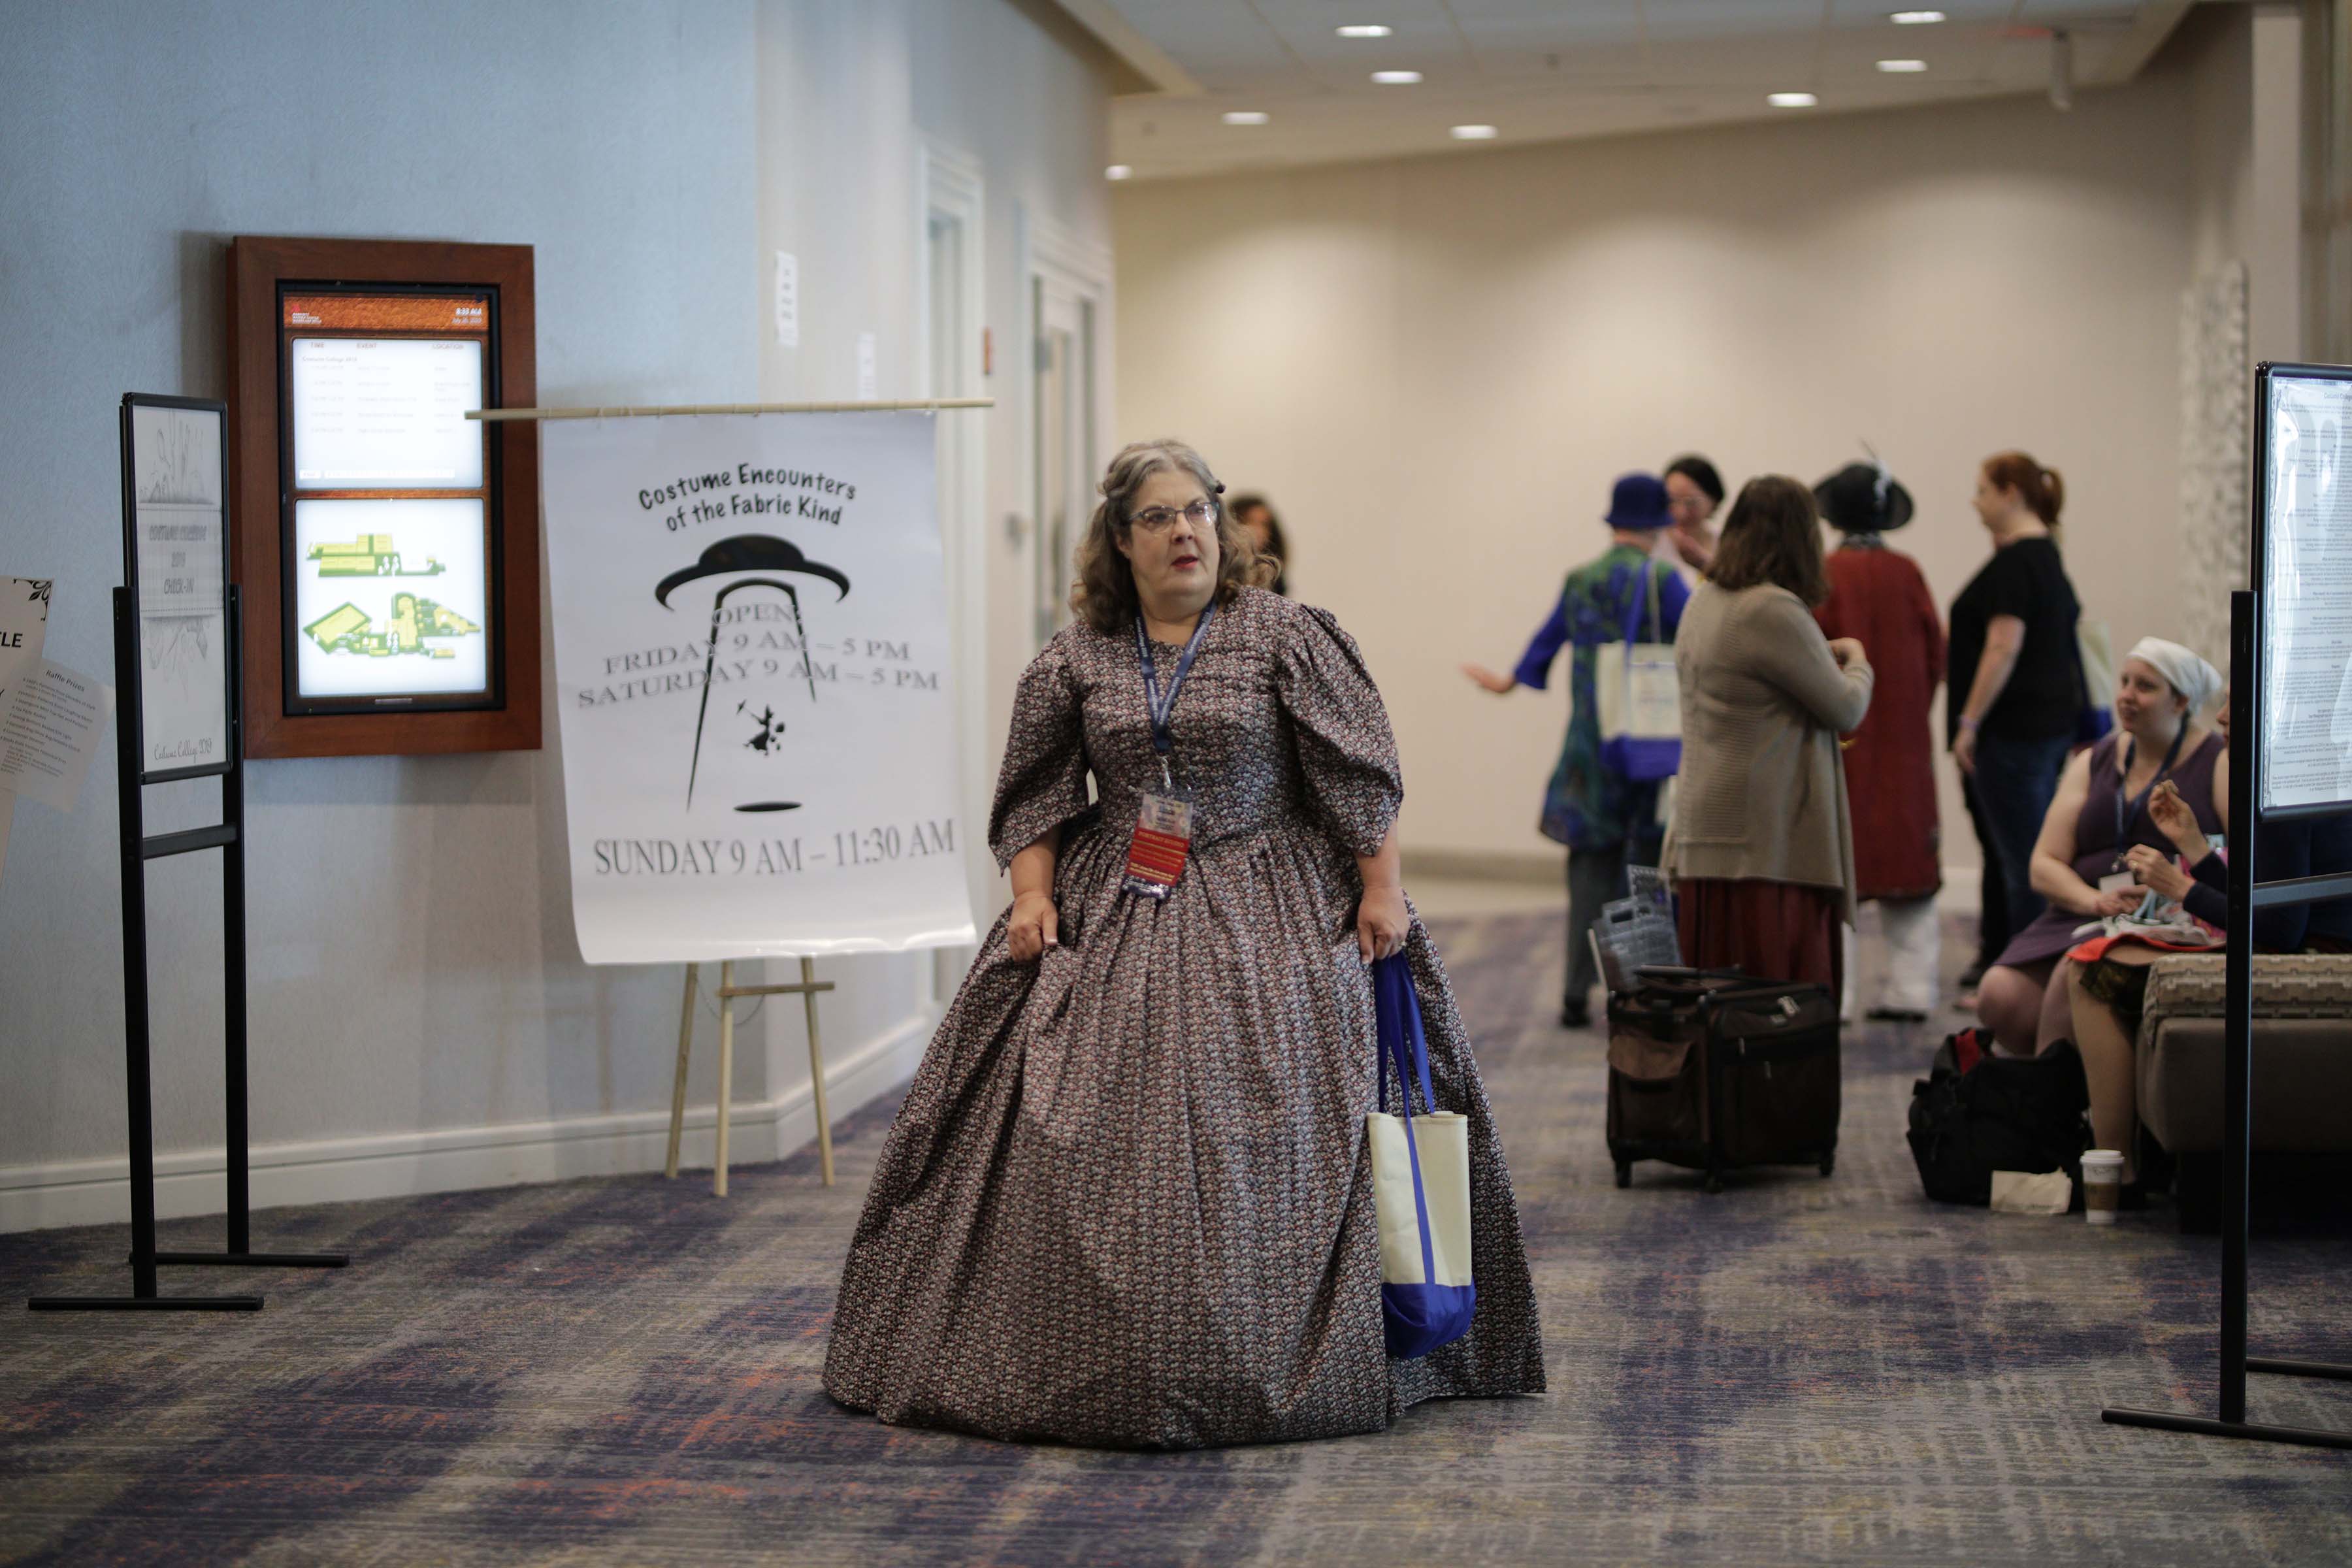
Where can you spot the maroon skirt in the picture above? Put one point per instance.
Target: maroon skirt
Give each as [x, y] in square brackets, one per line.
[1773, 930]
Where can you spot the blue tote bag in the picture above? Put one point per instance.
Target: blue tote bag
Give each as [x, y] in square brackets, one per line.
[1639, 694]
[1420, 1185]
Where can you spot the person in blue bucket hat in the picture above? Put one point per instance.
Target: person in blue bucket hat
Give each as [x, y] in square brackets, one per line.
[1608, 820]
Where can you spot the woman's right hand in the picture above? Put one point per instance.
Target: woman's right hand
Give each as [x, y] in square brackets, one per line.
[2122, 901]
[2156, 871]
[1494, 682]
[1033, 929]
[1848, 652]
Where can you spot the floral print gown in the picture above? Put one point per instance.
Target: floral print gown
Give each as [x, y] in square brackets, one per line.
[1127, 1200]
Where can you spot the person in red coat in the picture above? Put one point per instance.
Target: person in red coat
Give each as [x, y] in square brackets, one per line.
[1879, 597]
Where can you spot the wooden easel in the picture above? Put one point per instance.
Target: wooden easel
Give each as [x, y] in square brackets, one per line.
[806, 987]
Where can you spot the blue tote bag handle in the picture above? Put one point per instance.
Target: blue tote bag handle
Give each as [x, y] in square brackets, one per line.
[1416, 1318]
[1403, 1042]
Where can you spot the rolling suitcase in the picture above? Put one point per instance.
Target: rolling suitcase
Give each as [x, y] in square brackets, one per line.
[1712, 1070]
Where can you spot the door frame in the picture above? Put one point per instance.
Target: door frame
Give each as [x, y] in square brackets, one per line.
[950, 185]
[1057, 257]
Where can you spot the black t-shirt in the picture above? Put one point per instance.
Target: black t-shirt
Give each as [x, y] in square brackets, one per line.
[2045, 695]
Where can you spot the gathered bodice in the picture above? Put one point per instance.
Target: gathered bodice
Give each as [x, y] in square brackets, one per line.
[1277, 724]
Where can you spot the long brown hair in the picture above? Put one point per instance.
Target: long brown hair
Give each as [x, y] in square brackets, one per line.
[2041, 488]
[1104, 596]
[1773, 535]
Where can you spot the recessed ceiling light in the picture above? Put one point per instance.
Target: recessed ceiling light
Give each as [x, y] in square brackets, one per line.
[1475, 134]
[1245, 116]
[1396, 79]
[1791, 99]
[1903, 67]
[1365, 30]
[1915, 18]
[1118, 171]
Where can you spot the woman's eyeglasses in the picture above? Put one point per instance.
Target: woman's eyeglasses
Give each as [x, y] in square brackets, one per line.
[1160, 518]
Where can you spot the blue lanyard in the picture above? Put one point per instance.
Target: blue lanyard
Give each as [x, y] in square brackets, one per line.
[2127, 810]
[1160, 706]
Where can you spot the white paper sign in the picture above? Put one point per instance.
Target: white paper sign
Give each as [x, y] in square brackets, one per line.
[24, 622]
[754, 695]
[2307, 594]
[50, 730]
[175, 461]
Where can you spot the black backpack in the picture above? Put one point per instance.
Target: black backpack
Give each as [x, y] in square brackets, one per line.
[1976, 1113]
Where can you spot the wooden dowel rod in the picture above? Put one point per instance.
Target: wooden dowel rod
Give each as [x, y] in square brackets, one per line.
[677, 1086]
[726, 1077]
[810, 987]
[498, 416]
[772, 990]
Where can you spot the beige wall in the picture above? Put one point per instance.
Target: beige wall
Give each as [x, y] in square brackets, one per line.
[2214, 50]
[1437, 366]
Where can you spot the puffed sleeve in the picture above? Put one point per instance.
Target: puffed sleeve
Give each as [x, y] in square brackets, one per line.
[1347, 752]
[1044, 781]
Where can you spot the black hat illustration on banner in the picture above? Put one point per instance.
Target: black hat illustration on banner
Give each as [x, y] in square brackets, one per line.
[750, 553]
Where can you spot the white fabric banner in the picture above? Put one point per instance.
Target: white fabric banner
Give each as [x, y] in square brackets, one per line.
[752, 686]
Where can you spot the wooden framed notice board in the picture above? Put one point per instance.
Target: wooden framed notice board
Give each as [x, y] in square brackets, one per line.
[386, 545]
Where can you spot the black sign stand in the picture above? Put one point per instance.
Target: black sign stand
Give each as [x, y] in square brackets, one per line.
[2247, 678]
[138, 849]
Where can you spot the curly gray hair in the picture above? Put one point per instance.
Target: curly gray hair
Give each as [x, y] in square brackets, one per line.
[1104, 596]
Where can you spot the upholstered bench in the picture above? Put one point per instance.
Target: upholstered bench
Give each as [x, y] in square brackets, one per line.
[2303, 1080]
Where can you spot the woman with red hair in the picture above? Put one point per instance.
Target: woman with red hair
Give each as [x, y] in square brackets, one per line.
[2016, 692]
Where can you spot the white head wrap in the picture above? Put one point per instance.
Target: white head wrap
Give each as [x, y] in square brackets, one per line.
[2183, 669]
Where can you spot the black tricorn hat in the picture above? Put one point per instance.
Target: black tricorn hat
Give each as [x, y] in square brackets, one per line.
[750, 553]
[1863, 498]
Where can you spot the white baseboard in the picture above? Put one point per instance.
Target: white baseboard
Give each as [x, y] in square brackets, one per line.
[340, 1170]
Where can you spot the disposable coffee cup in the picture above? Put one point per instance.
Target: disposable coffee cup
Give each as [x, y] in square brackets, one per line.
[2103, 1184]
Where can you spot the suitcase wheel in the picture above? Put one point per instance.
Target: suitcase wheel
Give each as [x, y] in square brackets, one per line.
[1625, 1172]
[1714, 1184]
[1829, 1163]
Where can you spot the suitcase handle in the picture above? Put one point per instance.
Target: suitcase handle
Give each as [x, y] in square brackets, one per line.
[1684, 971]
[1716, 1000]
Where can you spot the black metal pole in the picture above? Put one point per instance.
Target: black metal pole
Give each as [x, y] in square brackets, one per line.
[240, 1163]
[131, 809]
[2238, 992]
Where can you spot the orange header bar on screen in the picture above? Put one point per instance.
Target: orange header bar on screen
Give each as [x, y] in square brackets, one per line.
[468, 314]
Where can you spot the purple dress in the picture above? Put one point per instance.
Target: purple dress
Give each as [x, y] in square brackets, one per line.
[2099, 850]
[1127, 1202]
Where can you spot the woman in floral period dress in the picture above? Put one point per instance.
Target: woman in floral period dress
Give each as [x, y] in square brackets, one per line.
[1128, 1201]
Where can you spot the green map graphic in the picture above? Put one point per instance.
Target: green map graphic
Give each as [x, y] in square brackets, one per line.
[349, 629]
[369, 555]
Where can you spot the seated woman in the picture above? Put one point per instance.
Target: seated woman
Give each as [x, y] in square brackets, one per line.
[2106, 981]
[2081, 861]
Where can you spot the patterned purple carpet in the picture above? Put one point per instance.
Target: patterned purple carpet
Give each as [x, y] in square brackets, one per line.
[626, 1370]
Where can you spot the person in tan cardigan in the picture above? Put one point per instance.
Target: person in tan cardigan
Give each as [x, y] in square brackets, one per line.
[1761, 843]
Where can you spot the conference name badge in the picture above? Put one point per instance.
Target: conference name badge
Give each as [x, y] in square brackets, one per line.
[1163, 838]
